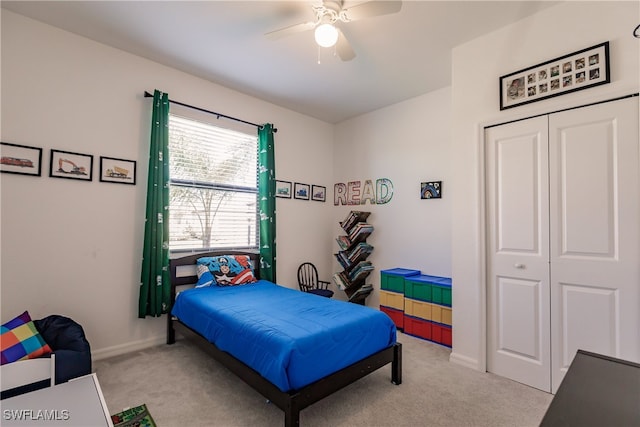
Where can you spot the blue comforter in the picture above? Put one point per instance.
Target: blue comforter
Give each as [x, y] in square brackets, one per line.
[290, 337]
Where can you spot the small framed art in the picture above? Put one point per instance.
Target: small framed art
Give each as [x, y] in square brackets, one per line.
[569, 73]
[301, 191]
[431, 190]
[318, 193]
[20, 159]
[283, 189]
[65, 164]
[120, 171]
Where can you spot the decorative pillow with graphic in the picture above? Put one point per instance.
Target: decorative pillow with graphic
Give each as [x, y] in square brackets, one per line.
[225, 270]
[21, 340]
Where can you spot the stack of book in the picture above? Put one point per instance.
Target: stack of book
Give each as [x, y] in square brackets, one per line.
[360, 271]
[360, 251]
[361, 293]
[354, 217]
[341, 281]
[343, 242]
[360, 232]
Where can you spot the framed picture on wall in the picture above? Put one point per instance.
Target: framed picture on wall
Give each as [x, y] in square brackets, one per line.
[283, 189]
[65, 164]
[569, 73]
[120, 171]
[431, 190]
[318, 193]
[301, 191]
[20, 159]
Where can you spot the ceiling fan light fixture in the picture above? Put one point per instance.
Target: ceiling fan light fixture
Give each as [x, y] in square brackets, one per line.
[326, 35]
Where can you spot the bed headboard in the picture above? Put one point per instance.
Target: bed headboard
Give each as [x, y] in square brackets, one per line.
[183, 273]
[183, 269]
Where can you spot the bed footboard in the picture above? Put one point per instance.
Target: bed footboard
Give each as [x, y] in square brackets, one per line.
[294, 402]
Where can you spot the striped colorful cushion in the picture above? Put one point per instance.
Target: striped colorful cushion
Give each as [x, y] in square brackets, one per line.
[21, 340]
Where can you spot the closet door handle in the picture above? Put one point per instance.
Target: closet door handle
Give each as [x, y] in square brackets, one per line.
[520, 266]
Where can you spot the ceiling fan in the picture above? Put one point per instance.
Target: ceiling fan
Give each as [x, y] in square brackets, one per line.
[330, 13]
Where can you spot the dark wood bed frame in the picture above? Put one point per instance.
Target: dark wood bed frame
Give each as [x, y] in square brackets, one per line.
[291, 402]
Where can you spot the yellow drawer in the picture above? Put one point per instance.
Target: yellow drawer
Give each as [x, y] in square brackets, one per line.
[417, 308]
[441, 314]
[392, 299]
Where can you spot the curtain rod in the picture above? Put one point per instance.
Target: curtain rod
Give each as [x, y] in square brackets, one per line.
[218, 115]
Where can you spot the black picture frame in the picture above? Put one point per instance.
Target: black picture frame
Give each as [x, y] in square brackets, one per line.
[283, 189]
[318, 193]
[301, 191]
[20, 159]
[70, 165]
[568, 73]
[119, 171]
[431, 190]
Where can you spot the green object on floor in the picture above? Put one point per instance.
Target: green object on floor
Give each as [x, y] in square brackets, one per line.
[133, 417]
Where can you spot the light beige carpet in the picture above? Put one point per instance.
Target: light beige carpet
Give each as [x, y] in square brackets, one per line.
[182, 386]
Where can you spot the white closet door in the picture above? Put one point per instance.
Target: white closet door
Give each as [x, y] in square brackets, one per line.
[518, 315]
[595, 233]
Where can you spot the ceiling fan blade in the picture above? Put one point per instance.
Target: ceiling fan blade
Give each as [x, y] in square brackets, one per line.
[292, 29]
[343, 47]
[372, 8]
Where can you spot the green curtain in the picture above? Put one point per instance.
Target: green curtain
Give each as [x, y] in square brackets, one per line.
[267, 202]
[155, 279]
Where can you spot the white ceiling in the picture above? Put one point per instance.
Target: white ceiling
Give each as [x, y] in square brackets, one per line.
[398, 56]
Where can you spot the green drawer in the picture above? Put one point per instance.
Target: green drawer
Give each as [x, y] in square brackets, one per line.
[393, 279]
[417, 290]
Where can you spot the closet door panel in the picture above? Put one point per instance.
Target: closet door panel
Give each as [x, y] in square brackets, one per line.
[595, 233]
[518, 252]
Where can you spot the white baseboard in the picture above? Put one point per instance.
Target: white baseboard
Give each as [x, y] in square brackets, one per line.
[117, 350]
[464, 361]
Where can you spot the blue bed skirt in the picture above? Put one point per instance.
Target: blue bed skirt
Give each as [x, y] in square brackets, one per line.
[290, 337]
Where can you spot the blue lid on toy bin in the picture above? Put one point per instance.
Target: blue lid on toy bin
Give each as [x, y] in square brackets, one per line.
[405, 272]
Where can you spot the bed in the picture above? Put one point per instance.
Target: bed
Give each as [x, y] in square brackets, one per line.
[292, 347]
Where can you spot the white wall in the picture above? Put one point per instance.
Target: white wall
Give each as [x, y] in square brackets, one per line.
[74, 247]
[477, 65]
[408, 143]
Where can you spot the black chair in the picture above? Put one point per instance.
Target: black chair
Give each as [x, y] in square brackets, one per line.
[309, 282]
[67, 340]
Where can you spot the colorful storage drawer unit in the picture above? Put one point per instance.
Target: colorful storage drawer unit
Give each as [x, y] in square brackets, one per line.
[397, 316]
[392, 299]
[434, 289]
[393, 279]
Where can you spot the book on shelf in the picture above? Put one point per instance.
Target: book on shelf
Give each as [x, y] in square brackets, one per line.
[340, 281]
[360, 231]
[361, 293]
[360, 271]
[354, 217]
[343, 260]
[359, 250]
[343, 242]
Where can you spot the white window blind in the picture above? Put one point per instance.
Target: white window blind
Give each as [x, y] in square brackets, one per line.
[213, 187]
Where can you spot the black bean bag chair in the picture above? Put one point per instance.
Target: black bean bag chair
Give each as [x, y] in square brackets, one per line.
[67, 340]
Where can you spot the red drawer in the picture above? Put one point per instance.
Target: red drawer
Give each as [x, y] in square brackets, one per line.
[417, 327]
[397, 316]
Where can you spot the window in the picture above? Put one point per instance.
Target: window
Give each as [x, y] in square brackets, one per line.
[214, 187]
